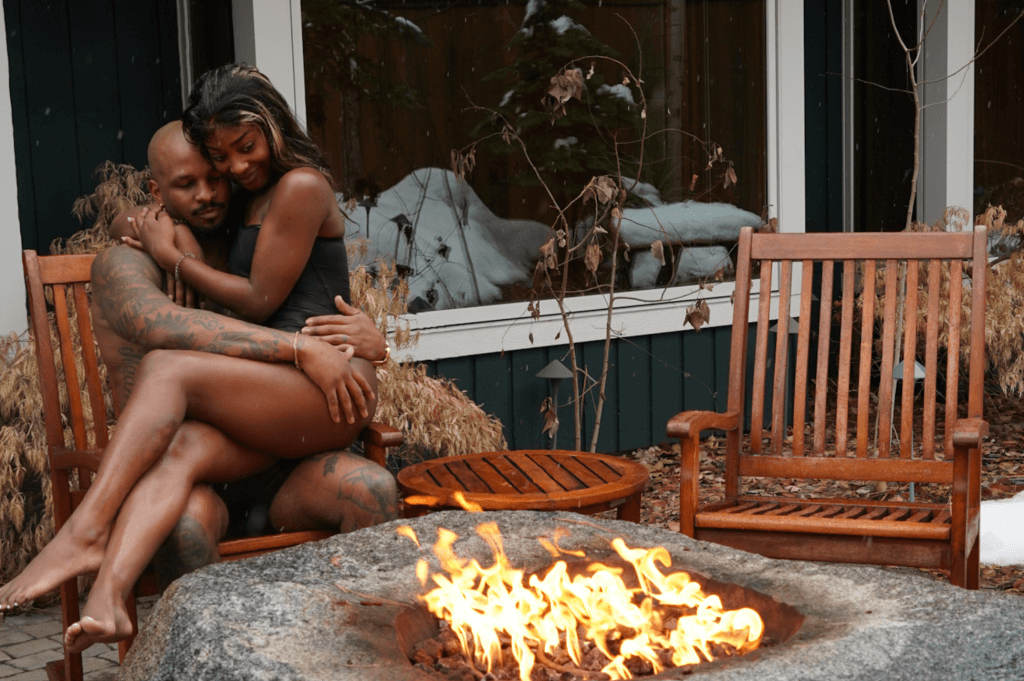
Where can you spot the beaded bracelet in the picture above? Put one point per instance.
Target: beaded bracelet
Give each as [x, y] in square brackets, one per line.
[295, 347]
[177, 265]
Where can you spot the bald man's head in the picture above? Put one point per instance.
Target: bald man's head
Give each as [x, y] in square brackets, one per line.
[184, 182]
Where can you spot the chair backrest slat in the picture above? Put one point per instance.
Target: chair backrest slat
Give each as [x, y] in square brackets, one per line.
[845, 351]
[956, 285]
[92, 364]
[882, 435]
[821, 377]
[803, 344]
[760, 356]
[979, 270]
[931, 359]
[908, 380]
[781, 358]
[863, 368]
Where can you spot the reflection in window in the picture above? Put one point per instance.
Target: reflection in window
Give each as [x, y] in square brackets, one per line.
[401, 93]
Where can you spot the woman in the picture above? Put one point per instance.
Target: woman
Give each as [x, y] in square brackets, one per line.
[246, 129]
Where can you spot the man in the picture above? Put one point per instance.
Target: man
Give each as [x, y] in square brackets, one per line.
[334, 490]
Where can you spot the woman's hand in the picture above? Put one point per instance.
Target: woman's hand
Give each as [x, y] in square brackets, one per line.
[352, 328]
[157, 236]
[332, 372]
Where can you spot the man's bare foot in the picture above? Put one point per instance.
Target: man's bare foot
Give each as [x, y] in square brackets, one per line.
[67, 555]
[107, 622]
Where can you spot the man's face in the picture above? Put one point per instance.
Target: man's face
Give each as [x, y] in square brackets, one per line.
[189, 187]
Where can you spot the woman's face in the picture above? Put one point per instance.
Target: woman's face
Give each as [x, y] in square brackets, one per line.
[242, 153]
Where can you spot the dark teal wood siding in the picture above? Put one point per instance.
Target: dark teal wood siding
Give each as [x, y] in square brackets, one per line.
[91, 80]
[651, 378]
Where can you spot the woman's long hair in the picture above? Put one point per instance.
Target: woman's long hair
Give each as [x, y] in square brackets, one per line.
[238, 94]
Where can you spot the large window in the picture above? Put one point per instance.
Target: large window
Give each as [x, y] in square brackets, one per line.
[673, 100]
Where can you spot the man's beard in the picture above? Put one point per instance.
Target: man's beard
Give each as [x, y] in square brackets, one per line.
[201, 230]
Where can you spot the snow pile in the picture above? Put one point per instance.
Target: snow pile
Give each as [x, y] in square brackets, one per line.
[1002, 531]
[456, 253]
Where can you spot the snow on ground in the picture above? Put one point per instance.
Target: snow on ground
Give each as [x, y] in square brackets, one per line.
[1002, 531]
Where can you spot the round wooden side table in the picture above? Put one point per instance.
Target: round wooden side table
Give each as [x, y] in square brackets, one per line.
[530, 479]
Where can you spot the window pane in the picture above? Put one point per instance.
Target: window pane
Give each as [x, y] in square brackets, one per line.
[397, 93]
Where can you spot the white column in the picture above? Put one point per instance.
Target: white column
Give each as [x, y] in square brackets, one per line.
[259, 28]
[13, 316]
[786, 187]
[947, 122]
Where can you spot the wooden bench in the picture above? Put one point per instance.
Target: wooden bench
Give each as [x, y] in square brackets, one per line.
[850, 365]
[76, 436]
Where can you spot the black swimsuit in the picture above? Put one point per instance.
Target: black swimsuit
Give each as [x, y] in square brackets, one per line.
[324, 276]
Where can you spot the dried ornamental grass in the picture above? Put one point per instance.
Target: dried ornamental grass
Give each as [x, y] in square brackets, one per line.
[1004, 298]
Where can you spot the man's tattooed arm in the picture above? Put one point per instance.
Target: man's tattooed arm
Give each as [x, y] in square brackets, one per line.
[127, 287]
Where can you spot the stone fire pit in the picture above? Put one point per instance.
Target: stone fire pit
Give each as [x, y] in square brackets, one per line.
[281, 617]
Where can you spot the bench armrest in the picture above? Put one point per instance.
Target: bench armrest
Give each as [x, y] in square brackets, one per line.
[692, 422]
[968, 433]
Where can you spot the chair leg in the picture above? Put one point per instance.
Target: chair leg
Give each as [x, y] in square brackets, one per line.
[974, 566]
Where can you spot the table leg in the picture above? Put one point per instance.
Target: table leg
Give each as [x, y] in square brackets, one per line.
[631, 509]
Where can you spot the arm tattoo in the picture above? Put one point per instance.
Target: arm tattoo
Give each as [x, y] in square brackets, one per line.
[127, 285]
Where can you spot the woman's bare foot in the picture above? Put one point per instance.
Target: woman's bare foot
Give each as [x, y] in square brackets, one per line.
[105, 620]
[68, 555]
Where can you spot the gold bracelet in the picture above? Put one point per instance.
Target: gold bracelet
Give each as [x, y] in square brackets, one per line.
[178, 264]
[387, 355]
[295, 347]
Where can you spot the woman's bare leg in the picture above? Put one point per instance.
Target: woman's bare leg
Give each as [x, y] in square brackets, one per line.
[149, 514]
[267, 407]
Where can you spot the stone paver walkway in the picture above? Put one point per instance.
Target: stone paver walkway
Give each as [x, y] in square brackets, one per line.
[30, 639]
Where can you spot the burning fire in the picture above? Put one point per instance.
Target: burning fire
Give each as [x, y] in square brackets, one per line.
[485, 605]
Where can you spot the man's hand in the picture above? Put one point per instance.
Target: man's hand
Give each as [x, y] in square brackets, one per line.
[332, 372]
[350, 328]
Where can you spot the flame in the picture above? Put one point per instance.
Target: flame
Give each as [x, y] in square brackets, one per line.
[485, 605]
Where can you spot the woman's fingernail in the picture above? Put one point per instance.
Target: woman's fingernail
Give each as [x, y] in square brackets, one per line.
[124, 238]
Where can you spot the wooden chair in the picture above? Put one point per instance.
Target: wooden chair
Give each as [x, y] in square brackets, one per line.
[942, 271]
[73, 368]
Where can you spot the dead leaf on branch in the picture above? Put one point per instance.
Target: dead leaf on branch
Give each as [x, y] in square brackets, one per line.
[550, 417]
[590, 73]
[715, 155]
[693, 181]
[698, 314]
[658, 251]
[507, 134]
[560, 234]
[548, 252]
[592, 258]
[463, 163]
[730, 177]
[601, 189]
[564, 87]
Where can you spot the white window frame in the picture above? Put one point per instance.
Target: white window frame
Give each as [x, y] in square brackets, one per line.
[268, 33]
